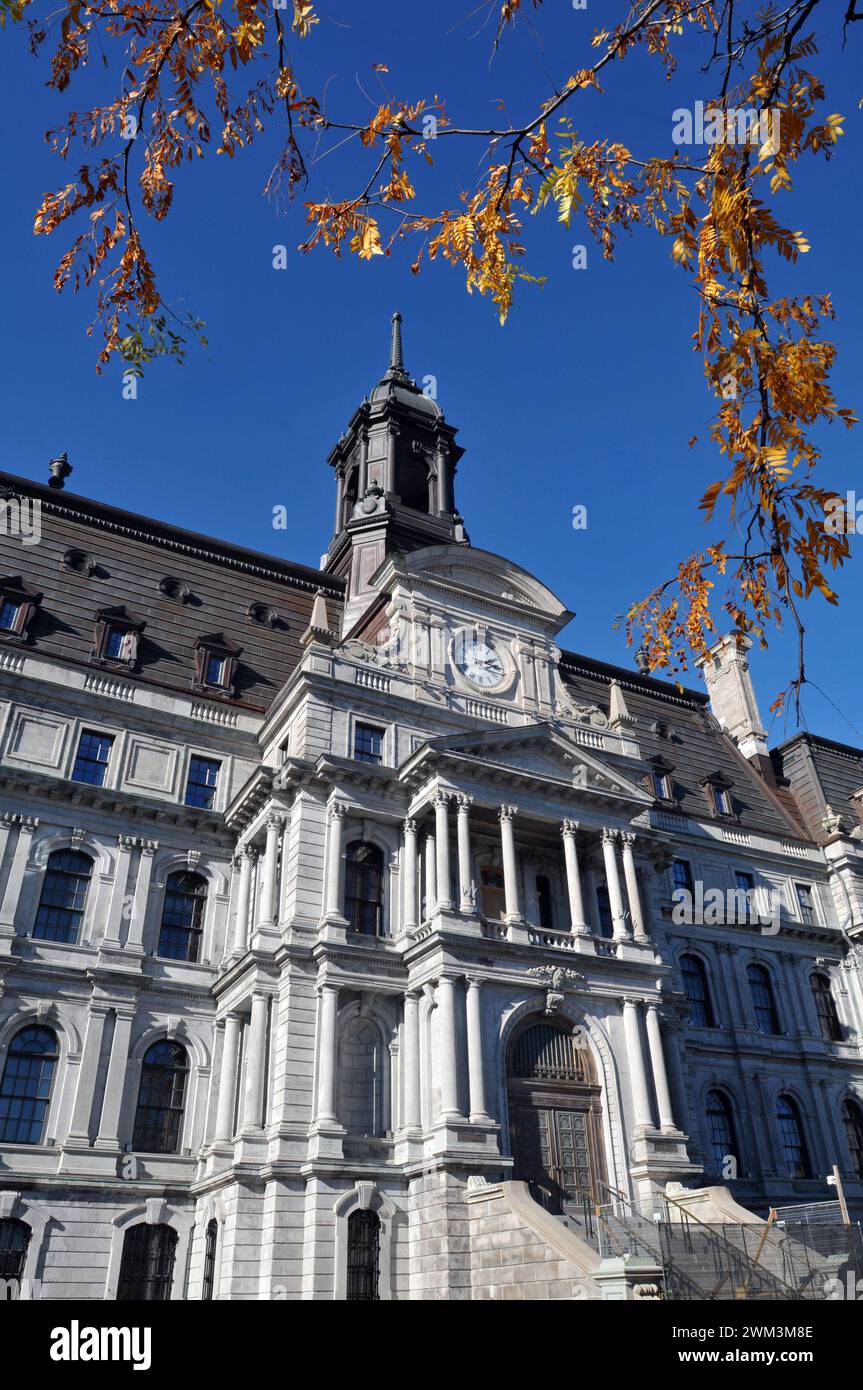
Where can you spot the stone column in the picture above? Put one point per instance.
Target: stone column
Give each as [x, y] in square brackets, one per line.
[441, 816]
[448, 1049]
[333, 895]
[253, 1100]
[79, 1128]
[266, 912]
[410, 880]
[657, 1063]
[227, 1081]
[629, 872]
[612, 879]
[577, 918]
[467, 891]
[248, 859]
[27, 826]
[510, 871]
[125, 845]
[412, 1060]
[430, 899]
[635, 1057]
[329, 1015]
[109, 1125]
[475, 1065]
[135, 934]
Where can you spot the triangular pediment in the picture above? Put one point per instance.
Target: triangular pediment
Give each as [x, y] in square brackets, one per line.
[535, 751]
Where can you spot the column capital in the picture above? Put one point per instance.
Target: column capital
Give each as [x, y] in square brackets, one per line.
[249, 852]
[627, 837]
[631, 1001]
[474, 981]
[149, 847]
[410, 826]
[275, 821]
[128, 842]
[327, 987]
[507, 812]
[441, 798]
[569, 827]
[464, 801]
[610, 836]
[337, 810]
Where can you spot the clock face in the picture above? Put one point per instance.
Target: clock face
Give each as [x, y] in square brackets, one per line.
[481, 665]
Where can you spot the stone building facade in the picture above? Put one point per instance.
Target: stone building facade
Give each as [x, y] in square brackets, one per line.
[334, 901]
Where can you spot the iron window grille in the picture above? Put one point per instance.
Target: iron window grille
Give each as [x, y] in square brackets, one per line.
[368, 744]
[364, 1256]
[147, 1265]
[183, 917]
[791, 1137]
[14, 1241]
[202, 782]
[161, 1097]
[544, 1052]
[210, 1244]
[763, 1000]
[364, 887]
[25, 1090]
[697, 991]
[92, 758]
[64, 894]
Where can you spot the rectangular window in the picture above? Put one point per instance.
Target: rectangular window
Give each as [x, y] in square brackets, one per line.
[722, 801]
[202, 782]
[9, 610]
[660, 786]
[114, 643]
[806, 903]
[745, 885]
[214, 670]
[94, 754]
[368, 744]
[681, 874]
[603, 903]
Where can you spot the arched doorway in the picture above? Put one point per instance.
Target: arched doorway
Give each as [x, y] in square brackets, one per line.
[555, 1114]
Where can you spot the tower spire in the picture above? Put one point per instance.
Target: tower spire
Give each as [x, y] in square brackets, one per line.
[397, 365]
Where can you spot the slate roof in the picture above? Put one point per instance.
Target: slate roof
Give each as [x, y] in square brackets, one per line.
[822, 776]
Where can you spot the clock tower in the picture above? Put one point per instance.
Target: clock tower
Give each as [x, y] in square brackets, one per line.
[395, 470]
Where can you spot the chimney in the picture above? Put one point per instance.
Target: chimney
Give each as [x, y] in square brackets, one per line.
[733, 699]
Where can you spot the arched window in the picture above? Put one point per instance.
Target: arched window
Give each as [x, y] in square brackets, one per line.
[14, 1240]
[828, 1018]
[364, 1257]
[697, 991]
[160, 1098]
[852, 1118]
[64, 893]
[183, 917]
[721, 1134]
[26, 1086]
[549, 1052]
[791, 1135]
[210, 1260]
[763, 999]
[147, 1266]
[364, 881]
[543, 898]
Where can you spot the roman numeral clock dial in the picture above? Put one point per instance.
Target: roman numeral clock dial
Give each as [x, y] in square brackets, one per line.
[480, 664]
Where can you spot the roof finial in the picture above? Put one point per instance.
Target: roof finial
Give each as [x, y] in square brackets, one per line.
[396, 359]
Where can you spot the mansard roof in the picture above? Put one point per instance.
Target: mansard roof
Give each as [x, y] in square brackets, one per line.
[825, 778]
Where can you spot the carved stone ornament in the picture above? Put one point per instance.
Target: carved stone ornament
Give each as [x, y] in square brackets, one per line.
[555, 977]
[580, 713]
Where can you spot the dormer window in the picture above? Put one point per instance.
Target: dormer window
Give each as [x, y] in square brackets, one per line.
[660, 779]
[116, 637]
[718, 788]
[216, 660]
[17, 608]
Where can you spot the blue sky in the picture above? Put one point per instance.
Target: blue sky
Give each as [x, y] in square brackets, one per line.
[587, 396]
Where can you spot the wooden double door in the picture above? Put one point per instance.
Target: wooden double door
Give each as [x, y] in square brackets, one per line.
[557, 1143]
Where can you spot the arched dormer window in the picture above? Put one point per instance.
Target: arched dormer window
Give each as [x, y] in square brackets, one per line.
[147, 1266]
[64, 894]
[161, 1098]
[722, 1138]
[852, 1118]
[364, 882]
[25, 1091]
[14, 1240]
[828, 1018]
[183, 917]
[792, 1138]
[763, 999]
[697, 991]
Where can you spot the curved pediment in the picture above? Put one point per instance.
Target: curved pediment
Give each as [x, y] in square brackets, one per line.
[468, 570]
